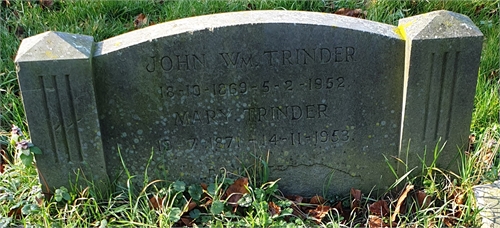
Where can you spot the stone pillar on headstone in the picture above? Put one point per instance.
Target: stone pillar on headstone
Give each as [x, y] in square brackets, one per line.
[443, 50]
[55, 76]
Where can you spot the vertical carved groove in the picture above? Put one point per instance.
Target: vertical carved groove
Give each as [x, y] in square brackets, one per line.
[71, 103]
[441, 89]
[452, 93]
[61, 117]
[427, 98]
[49, 120]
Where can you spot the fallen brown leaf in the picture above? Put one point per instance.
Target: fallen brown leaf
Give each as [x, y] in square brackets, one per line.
[140, 21]
[379, 208]
[317, 200]
[46, 3]
[15, 212]
[472, 141]
[494, 73]
[274, 209]
[39, 200]
[187, 221]
[155, 202]
[319, 213]
[378, 222]
[191, 206]
[207, 203]
[493, 13]
[205, 197]
[338, 208]
[3, 157]
[356, 195]
[251, 6]
[450, 222]
[478, 9]
[5, 3]
[459, 196]
[422, 200]
[296, 200]
[400, 202]
[351, 12]
[235, 191]
[19, 32]
[451, 218]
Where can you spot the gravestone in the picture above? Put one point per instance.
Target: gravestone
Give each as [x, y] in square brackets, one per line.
[327, 100]
[486, 196]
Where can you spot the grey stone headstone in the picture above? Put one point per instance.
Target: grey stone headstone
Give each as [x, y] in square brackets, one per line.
[442, 60]
[55, 76]
[322, 94]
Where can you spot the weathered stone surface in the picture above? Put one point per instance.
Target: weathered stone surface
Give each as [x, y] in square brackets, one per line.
[488, 201]
[322, 94]
[442, 61]
[55, 76]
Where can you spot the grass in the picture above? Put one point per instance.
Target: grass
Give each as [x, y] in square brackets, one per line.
[449, 201]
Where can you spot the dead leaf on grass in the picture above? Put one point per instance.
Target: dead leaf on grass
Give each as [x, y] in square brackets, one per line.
[187, 221]
[3, 158]
[5, 3]
[251, 6]
[235, 191]
[317, 200]
[20, 32]
[359, 13]
[46, 3]
[191, 206]
[15, 212]
[140, 21]
[274, 209]
[295, 198]
[458, 196]
[494, 73]
[318, 213]
[155, 202]
[379, 208]
[472, 144]
[338, 208]
[400, 202]
[478, 9]
[378, 222]
[450, 222]
[296, 201]
[422, 199]
[356, 195]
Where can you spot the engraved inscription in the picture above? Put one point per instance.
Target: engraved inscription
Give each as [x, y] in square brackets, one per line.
[176, 62]
[252, 59]
[310, 56]
[215, 105]
[293, 112]
[334, 138]
[243, 88]
[192, 117]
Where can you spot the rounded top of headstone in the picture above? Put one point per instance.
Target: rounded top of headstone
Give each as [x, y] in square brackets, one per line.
[439, 24]
[250, 18]
[55, 45]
